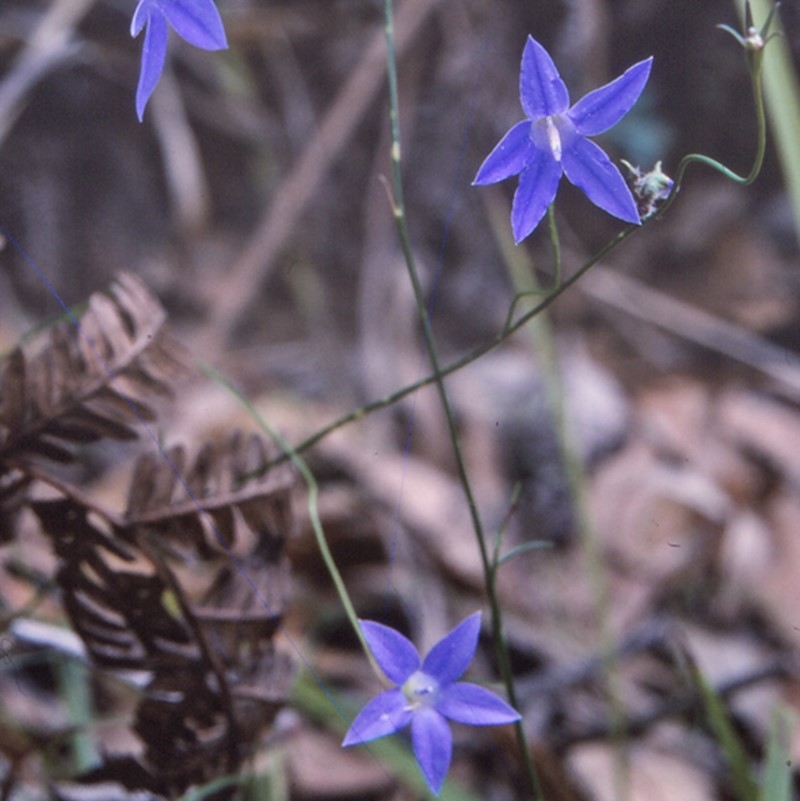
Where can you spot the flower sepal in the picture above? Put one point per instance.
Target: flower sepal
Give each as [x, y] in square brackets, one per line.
[651, 188]
[753, 39]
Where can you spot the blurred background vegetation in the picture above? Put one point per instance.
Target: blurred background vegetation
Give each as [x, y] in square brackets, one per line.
[251, 202]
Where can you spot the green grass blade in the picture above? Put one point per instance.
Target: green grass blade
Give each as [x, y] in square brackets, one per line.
[736, 758]
[782, 92]
[776, 784]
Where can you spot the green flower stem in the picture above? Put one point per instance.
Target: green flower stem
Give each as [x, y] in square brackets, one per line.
[440, 372]
[783, 103]
[398, 206]
[313, 511]
[755, 67]
[507, 248]
[510, 328]
[761, 146]
[513, 326]
[523, 276]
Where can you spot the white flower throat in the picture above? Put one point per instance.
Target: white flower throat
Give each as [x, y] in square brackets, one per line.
[420, 689]
[548, 132]
[554, 139]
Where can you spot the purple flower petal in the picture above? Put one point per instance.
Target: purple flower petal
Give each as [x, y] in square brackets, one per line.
[386, 714]
[474, 705]
[429, 695]
[433, 746]
[154, 52]
[509, 157]
[538, 184]
[541, 90]
[197, 21]
[552, 142]
[140, 16]
[450, 657]
[590, 169]
[395, 654]
[604, 107]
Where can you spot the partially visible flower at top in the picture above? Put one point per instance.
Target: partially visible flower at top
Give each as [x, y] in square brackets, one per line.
[552, 141]
[197, 21]
[426, 694]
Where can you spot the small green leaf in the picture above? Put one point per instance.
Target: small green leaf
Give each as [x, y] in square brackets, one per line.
[532, 545]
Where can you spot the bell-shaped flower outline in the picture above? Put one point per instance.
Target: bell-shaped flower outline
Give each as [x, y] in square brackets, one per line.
[553, 141]
[426, 695]
[196, 21]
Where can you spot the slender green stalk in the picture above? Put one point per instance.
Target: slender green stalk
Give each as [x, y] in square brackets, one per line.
[758, 161]
[398, 206]
[783, 104]
[507, 248]
[755, 62]
[313, 511]
[523, 277]
[512, 326]
[736, 756]
[555, 242]
[439, 372]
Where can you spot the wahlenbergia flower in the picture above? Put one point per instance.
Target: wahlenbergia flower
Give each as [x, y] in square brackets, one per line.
[552, 141]
[426, 694]
[197, 21]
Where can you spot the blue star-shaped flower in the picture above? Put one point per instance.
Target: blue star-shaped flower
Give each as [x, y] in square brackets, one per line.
[552, 142]
[197, 21]
[426, 695]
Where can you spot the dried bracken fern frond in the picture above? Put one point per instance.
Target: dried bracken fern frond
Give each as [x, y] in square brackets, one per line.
[111, 592]
[189, 586]
[186, 588]
[82, 383]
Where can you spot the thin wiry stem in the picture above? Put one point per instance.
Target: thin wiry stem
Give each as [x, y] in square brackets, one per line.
[512, 326]
[313, 509]
[699, 158]
[440, 372]
[398, 205]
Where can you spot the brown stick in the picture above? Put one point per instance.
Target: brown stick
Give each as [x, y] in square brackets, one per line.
[250, 271]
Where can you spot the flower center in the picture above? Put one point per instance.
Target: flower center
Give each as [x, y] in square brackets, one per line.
[420, 689]
[547, 134]
[554, 139]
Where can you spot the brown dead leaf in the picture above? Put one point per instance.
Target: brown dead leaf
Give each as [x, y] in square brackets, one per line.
[320, 768]
[656, 519]
[655, 774]
[426, 501]
[776, 586]
[672, 413]
[763, 426]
